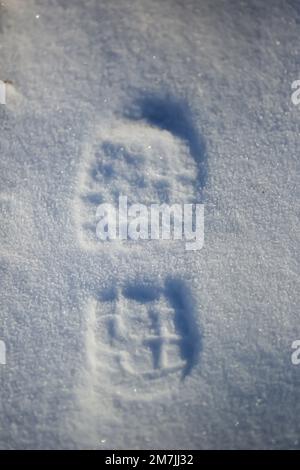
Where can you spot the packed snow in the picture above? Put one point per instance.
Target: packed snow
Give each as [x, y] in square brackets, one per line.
[143, 344]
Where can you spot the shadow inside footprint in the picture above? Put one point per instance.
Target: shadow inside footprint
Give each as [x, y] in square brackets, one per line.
[186, 333]
[185, 324]
[174, 116]
[141, 292]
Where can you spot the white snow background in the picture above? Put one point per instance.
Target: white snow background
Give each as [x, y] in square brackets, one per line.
[206, 86]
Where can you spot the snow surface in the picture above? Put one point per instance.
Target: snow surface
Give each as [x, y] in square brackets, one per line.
[144, 344]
